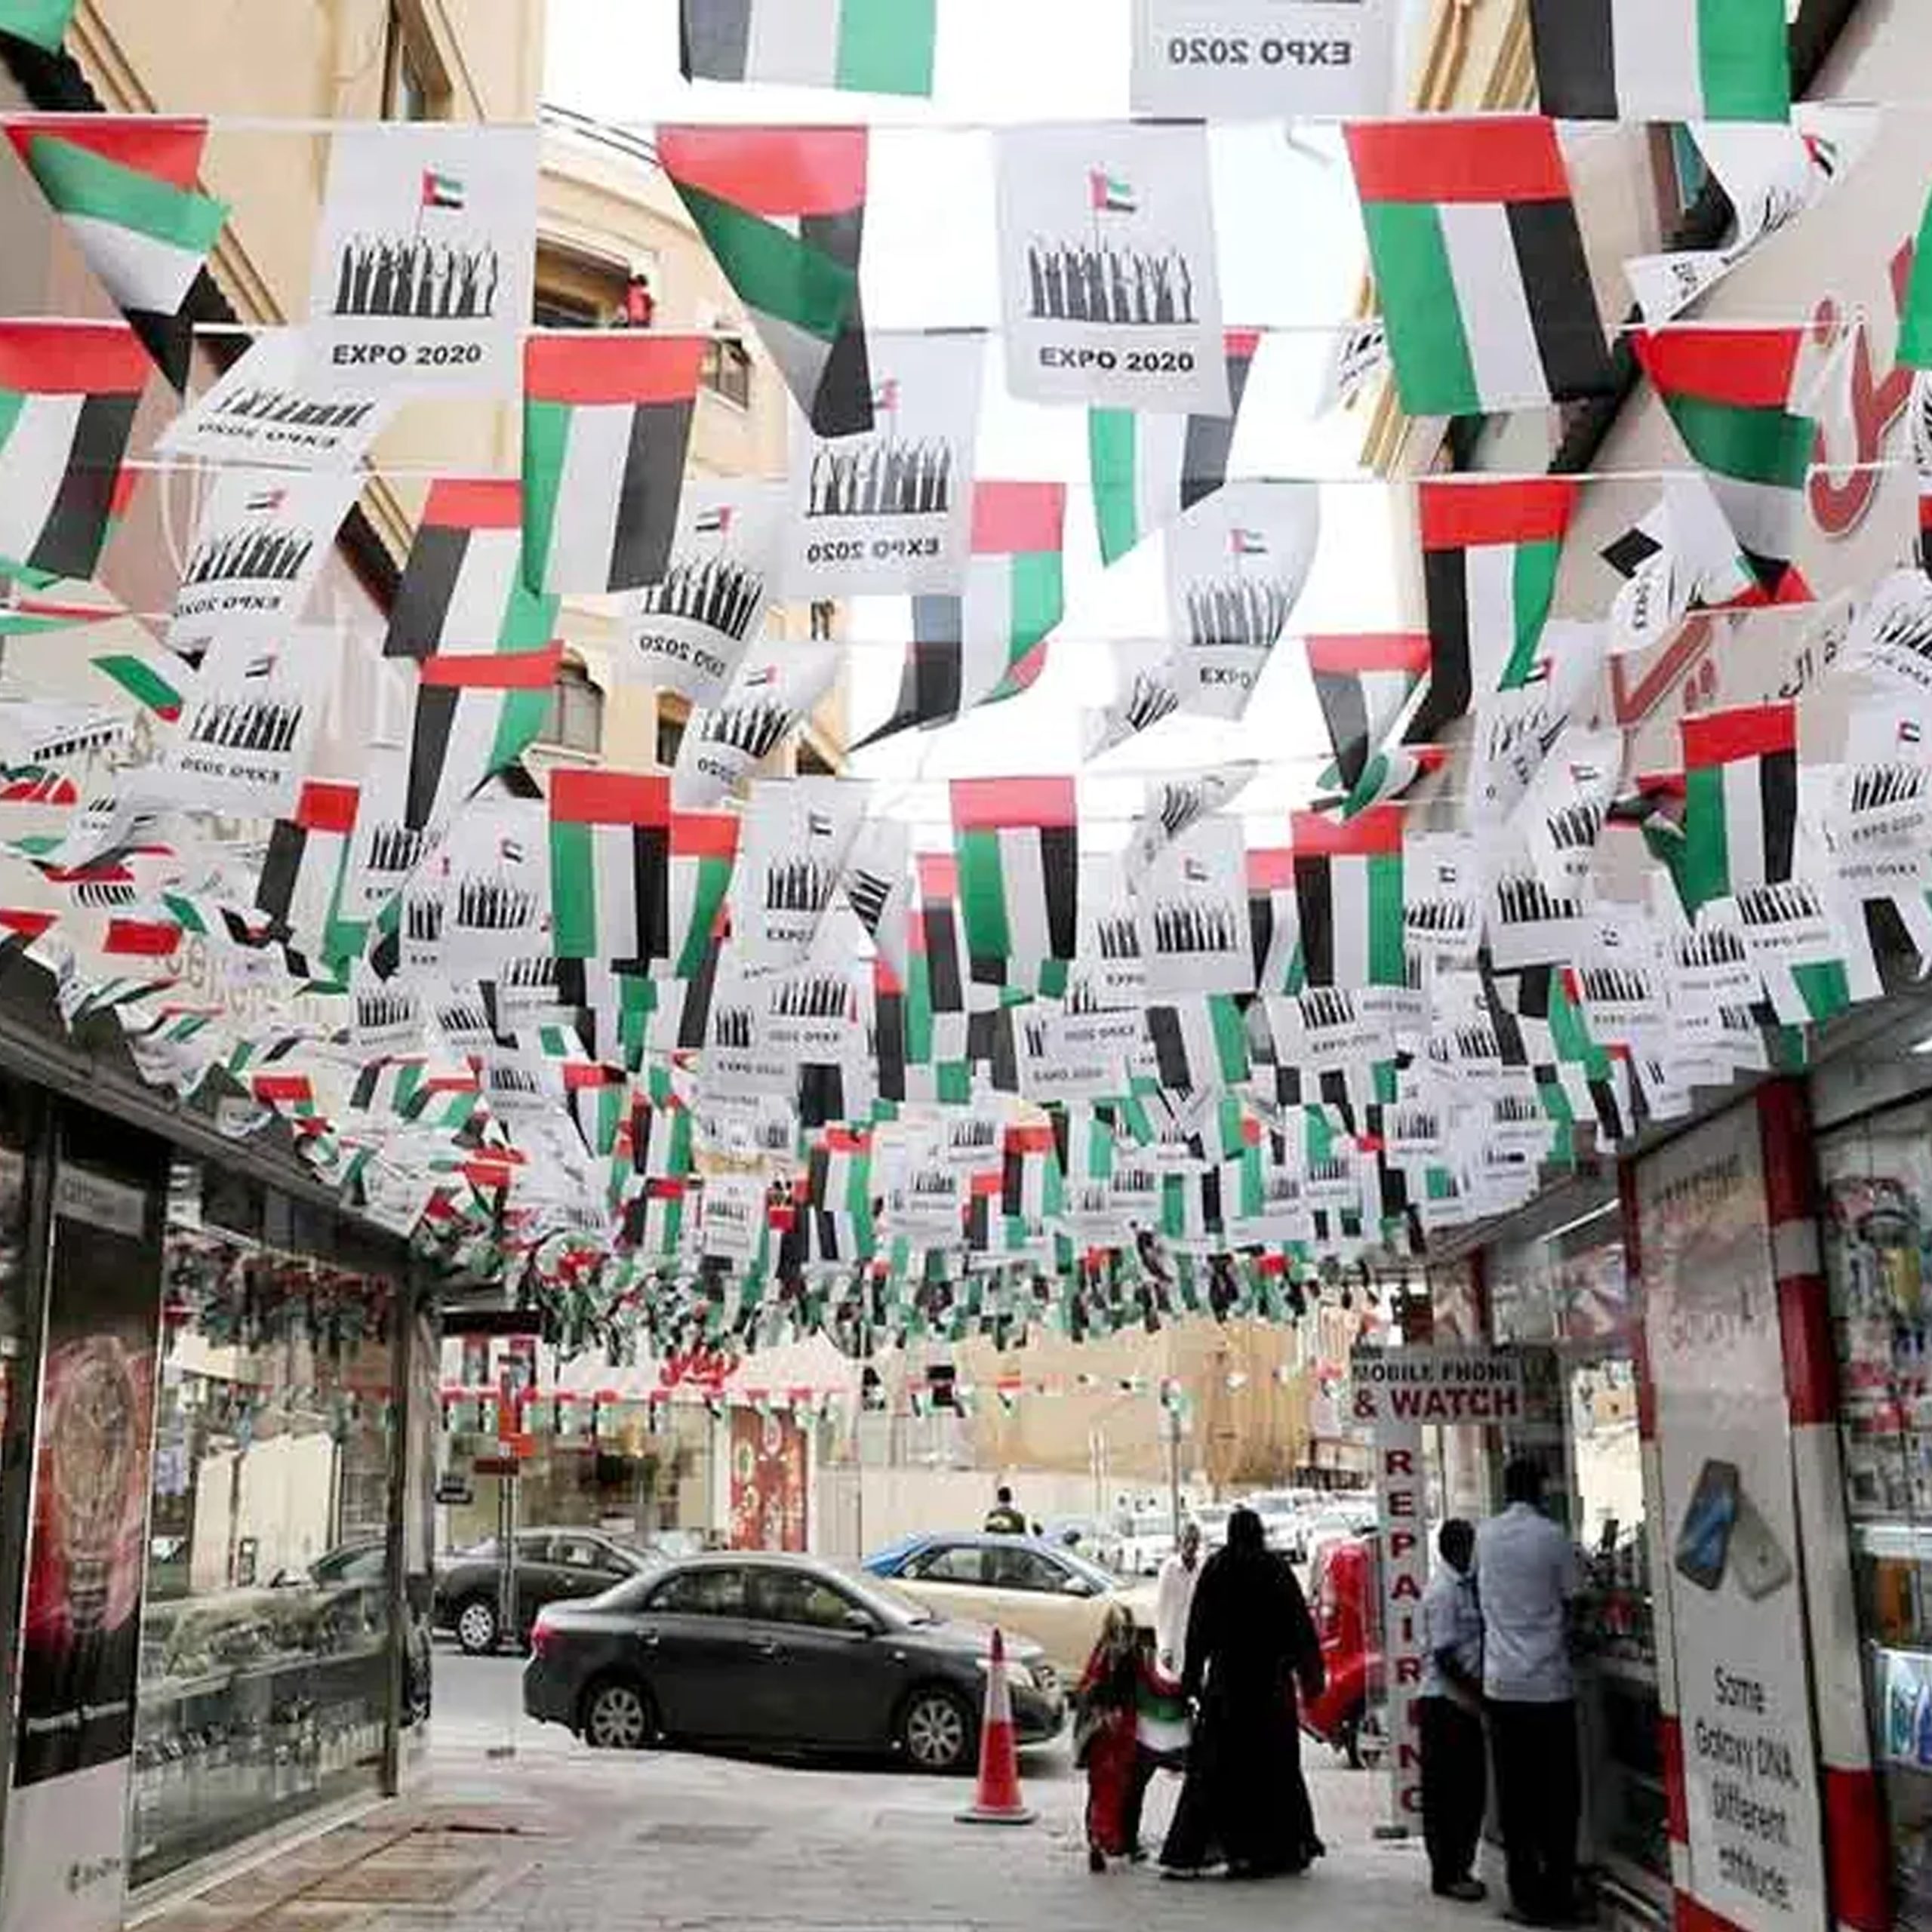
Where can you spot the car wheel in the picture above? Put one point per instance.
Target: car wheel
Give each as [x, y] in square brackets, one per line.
[476, 1626]
[1348, 1739]
[936, 1730]
[619, 1715]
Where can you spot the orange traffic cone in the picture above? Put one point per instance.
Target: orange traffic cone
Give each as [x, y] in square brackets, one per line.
[997, 1800]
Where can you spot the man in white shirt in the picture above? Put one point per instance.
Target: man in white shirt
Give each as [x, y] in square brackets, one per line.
[1526, 1571]
[1174, 1600]
[1454, 1776]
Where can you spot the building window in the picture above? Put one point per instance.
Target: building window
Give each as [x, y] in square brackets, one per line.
[577, 712]
[823, 614]
[413, 86]
[559, 308]
[728, 369]
[671, 724]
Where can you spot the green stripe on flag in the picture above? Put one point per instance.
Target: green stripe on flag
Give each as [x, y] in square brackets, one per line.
[1753, 445]
[1388, 962]
[774, 271]
[1744, 63]
[1824, 987]
[140, 682]
[982, 896]
[546, 435]
[886, 46]
[1039, 598]
[11, 403]
[42, 22]
[1703, 866]
[1434, 369]
[1231, 1031]
[1112, 458]
[1915, 325]
[82, 184]
[1532, 590]
[573, 892]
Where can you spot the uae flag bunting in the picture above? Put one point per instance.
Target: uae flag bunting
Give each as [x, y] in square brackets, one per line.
[143, 682]
[462, 591]
[783, 211]
[1489, 558]
[1390, 774]
[126, 189]
[1740, 802]
[68, 395]
[1199, 1043]
[936, 979]
[838, 1197]
[609, 849]
[1017, 843]
[703, 849]
[1480, 263]
[1362, 682]
[475, 717]
[860, 46]
[1348, 892]
[42, 23]
[1147, 470]
[302, 877]
[1662, 59]
[607, 421]
[1916, 323]
[990, 643]
[1740, 398]
[1274, 919]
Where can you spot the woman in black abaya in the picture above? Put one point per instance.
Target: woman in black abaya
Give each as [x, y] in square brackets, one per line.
[1251, 1647]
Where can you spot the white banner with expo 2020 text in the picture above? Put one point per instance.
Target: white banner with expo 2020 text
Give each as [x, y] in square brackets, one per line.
[1264, 59]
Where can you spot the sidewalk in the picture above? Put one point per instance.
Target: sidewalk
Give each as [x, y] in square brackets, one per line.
[580, 1842]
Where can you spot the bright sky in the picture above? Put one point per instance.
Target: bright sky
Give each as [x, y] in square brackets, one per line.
[1291, 258]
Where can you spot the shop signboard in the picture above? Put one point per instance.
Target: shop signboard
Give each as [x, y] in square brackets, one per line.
[1399, 1392]
[1725, 1543]
[64, 1866]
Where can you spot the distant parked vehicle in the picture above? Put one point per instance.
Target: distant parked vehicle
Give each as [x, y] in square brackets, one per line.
[551, 1565]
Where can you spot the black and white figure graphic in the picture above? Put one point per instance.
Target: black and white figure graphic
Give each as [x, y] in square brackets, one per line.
[1527, 924]
[731, 1217]
[519, 1086]
[274, 406]
[1191, 909]
[386, 1015]
[261, 541]
[1262, 60]
[385, 854]
[771, 695]
[1107, 265]
[1108, 972]
[425, 257]
[1567, 804]
[496, 896]
[1880, 822]
[690, 631]
[1174, 804]
[248, 731]
[1067, 1056]
[1236, 564]
[890, 513]
[1146, 690]
[1442, 896]
[796, 836]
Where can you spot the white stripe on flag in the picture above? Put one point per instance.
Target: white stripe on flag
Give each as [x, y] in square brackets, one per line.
[1159, 450]
[1382, 693]
[139, 271]
[472, 736]
[1658, 72]
[35, 456]
[1348, 897]
[481, 595]
[1762, 516]
[1489, 575]
[1493, 302]
[1025, 882]
[617, 889]
[795, 41]
[1744, 823]
[584, 532]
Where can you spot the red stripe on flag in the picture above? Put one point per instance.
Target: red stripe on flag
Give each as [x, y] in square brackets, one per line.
[1512, 158]
[23, 923]
[1376, 833]
[1242, 345]
[71, 358]
[273, 1086]
[1752, 731]
[620, 366]
[142, 939]
[1459, 515]
[168, 151]
[1012, 519]
[609, 798]
[995, 805]
[703, 835]
[1270, 868]
[1370, 650]
[462, 503]
[1025, 1140]
[939, 876]
[327, 808]
[770, 171]
[509, 670]
[1745, 368]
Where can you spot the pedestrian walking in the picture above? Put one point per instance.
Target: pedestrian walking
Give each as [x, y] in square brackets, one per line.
[1002, 1519]
[1527, 1579]
[1106, 1741]
[1173, 1601]
[1454, 1775]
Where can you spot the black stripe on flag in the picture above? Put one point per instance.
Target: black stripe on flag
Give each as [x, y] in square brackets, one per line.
[1210, 441]
[694, 1022]
[843, 406]
[1576, 49]
[1013, 1184]
[1210, 1201]
[1777, 797]
[949, 994]
[1171, 1061]
[1446, 589]
[429, 750]
[889, 1041]
[1562, 305]
[423, 599]
[1261, 932]
[281, 869]
[651, 887]
[933, 667]
[1630, 551]
[647, 500]
[1345, 713]
[715, 39]
[69, 542]
[1059, 868]
[1315, 901]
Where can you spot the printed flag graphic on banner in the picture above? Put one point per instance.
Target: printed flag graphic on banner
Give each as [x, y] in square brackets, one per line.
[990, 644]
[1662, 59]
[1148, 469]
[67, 394]
[858, 46]
[1740, 802]
[1017, 843]
[1490, 552]
[609, 848]
[475, 716]
[607, 421]
[783, 211]
[462, 592]
[1479, 263]
[1348, 892]
[1362, 681]
[43, 23]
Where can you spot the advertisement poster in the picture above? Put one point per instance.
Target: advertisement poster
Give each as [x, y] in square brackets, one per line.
[890, 514]
[1192, 907]
[425, 258]
[247, 738]
[1726, 1548]
[797, 838]
[65, 1867]
[768, 699]
[768, 1482]
[272, 408]
[1106, 237]
[1263, 59]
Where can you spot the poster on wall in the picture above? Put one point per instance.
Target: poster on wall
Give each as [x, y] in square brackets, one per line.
[1257, 60]
[768, 1482]
[65, 1868]
[1724, 1544]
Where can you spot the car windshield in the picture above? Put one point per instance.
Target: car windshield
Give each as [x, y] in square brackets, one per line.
[1101, 1579]
[895, 1605]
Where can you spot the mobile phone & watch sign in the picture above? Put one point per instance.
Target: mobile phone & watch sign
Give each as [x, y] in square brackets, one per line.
[1724, 1541]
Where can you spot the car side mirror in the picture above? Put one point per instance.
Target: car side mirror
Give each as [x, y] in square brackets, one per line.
[1079, 1586]
[861, 1623]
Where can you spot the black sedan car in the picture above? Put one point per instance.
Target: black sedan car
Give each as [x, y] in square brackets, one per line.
[551, 1565]
[781, 1653]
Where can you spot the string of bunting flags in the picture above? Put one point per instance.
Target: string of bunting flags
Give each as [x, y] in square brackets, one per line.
[706, 1058]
